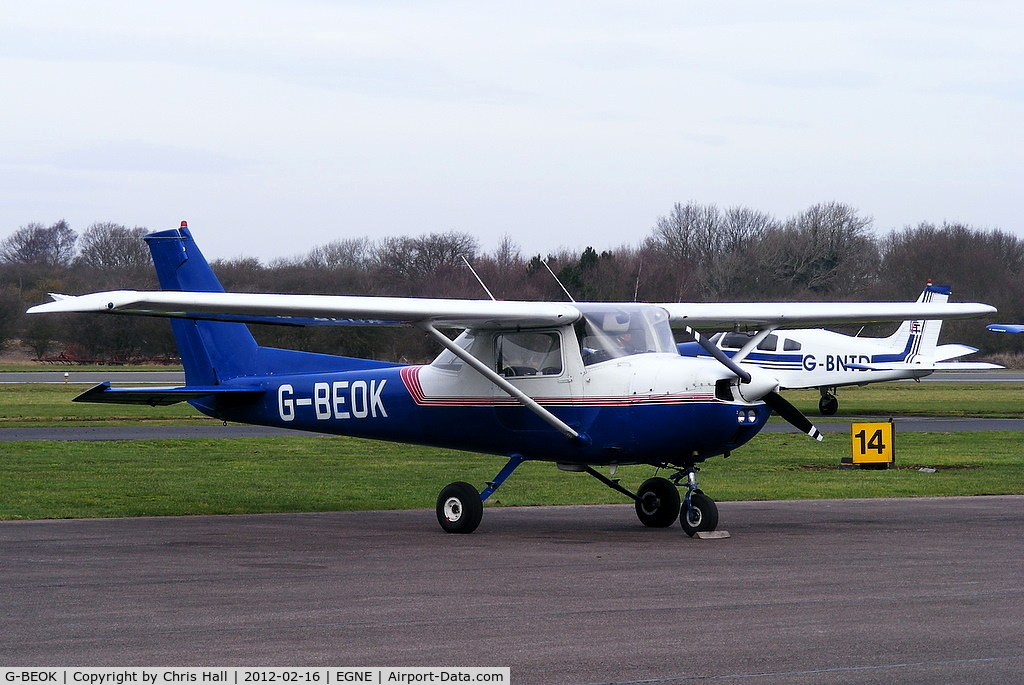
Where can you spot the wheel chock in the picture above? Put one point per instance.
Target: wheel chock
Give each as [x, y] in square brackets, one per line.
[712, 534]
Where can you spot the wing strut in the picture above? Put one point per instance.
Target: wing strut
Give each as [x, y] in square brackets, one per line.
[498, 380]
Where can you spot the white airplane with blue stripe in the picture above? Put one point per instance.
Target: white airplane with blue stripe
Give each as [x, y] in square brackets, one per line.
[579, 385]
[826, 360]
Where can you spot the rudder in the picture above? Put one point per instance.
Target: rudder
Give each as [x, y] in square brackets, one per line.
[918, 339]
[211, 351]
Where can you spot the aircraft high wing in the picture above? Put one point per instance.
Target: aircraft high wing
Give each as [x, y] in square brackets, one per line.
[582, 385]
[826, 360]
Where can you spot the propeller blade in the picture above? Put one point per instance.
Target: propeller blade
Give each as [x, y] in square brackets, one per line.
[787, 411]
[715, 352]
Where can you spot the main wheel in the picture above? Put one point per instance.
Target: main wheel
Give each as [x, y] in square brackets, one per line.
[658, 503]
[702, 515]
[828, 405]
[459, 509]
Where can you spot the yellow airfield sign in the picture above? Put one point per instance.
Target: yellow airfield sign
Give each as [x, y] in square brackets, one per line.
[873, 443]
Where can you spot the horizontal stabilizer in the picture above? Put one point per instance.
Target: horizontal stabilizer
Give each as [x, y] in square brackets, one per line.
[159, 397]
[952, 351]
[966, 366]
[925, 367]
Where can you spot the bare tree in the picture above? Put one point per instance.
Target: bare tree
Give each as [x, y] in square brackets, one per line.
[40, 245]
[826, 250]
[430, 264]
[113, 247]
[348, 253]
[709, 251]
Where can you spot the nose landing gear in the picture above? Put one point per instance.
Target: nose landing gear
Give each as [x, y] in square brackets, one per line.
[699, 512]
[828, 405]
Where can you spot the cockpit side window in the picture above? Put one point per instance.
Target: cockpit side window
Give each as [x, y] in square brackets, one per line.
[734, 341]
[528, 353]
[769, 344]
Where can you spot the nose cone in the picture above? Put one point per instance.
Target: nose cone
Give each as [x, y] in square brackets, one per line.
[760, 385]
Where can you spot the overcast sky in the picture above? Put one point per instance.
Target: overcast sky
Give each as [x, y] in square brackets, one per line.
[274, 126]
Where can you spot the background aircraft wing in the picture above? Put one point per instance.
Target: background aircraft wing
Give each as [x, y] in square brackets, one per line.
[781, 314]
[1006, 327]
[316, 310]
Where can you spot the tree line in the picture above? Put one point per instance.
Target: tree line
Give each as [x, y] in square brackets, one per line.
[696, 252]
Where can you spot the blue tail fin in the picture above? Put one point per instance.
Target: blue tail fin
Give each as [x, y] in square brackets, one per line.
[214, 351]
[211, 351]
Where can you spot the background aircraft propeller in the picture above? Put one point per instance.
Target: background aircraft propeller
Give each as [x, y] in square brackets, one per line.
[767, 392]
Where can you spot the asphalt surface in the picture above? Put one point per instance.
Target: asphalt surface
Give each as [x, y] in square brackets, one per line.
[853, 591]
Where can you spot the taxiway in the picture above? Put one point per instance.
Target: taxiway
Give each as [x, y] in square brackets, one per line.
[853, 591]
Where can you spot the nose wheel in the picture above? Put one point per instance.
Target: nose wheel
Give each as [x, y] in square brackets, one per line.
[699, 513]
[828, 405]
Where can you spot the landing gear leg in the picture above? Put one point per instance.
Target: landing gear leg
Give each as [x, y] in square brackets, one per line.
[828, 405]
[460, 508]
[657, 499]
[698, 513]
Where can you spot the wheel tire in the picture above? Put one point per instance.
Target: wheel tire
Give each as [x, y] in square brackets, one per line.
[702, 518]
[459, 509]
[828, 405]
[658, 503]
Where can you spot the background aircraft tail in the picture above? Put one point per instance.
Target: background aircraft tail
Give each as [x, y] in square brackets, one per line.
[916, 341]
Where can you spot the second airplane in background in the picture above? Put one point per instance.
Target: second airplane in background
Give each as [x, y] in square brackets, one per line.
[826, 360]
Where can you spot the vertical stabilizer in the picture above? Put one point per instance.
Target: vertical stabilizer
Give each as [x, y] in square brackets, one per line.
[916, 340]
[211, 351]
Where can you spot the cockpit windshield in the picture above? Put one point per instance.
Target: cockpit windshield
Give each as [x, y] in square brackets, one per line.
[615, 330]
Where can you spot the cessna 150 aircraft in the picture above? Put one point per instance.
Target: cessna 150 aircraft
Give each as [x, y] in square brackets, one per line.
[546, 381]
[826, 360]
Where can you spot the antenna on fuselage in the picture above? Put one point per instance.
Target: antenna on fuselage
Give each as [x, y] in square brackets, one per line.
[478, 279]
[636, 288]
[558, 281]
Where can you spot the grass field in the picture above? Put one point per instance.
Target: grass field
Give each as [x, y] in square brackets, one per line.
[43, 479]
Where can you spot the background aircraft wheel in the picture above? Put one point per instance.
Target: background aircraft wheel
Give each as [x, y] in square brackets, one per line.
[828, 405]
[703, 517]
[658, 505]
[459, 509]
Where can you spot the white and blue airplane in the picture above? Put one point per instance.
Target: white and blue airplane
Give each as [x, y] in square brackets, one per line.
[553, 382]
[826, 360]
